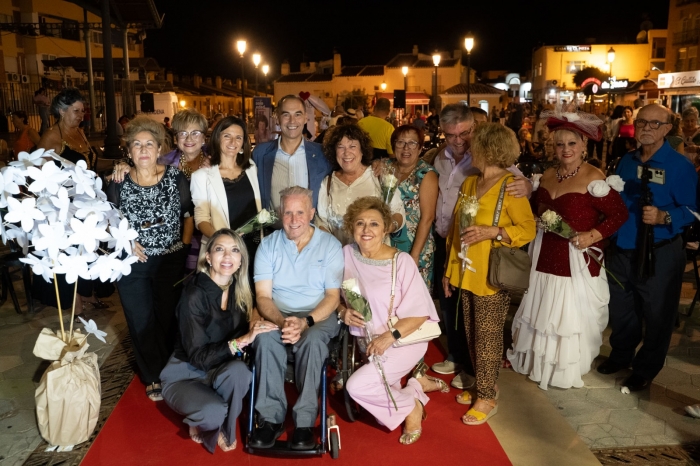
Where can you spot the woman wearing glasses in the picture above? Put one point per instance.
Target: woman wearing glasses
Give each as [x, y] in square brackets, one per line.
[418, 188]
[227, 194]
[349, 150]
[155, 199]
[189, 155]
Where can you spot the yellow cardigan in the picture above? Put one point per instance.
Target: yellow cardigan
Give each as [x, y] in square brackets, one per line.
[516, 219]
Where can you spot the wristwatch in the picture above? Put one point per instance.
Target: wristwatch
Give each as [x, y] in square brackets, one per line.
[499, 236]
[310, 321]
[667, 219]
[396, 334]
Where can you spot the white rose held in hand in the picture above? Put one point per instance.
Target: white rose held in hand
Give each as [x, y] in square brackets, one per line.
[264, 216]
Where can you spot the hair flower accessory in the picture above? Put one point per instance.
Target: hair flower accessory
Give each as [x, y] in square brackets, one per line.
[585, 124]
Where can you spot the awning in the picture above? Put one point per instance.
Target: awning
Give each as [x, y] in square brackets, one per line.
[412, 98]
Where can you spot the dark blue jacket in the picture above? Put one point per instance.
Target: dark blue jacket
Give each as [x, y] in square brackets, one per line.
[264, 157]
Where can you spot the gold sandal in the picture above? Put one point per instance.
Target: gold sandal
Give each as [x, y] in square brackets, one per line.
[223, 443]
[420, 370]
[407, 438]
[441, 385]
[479, 416]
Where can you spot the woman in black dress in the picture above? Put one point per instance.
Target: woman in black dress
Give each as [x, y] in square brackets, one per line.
[205, 380]
[156, 201]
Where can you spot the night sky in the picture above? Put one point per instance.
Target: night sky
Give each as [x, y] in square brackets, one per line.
[200, 37]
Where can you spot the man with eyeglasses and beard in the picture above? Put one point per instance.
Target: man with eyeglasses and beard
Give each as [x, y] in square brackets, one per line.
[454, 164]
[644, 309]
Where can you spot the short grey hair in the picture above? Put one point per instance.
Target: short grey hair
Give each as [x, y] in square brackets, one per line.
[296, 191]
[452, 114]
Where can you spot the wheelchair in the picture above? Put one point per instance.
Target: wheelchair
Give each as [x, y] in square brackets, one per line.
[341, 357]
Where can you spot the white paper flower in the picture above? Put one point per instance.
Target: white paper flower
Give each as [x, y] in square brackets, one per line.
[616, 183]
[598, 188]
[123, 236]
[264, 216]
[83, 179]
[24, 212]
[20, 236]
[536, 181]
[39, 266]
[12, 180]
[73, 266]
[87, 234]
[50, 177]
[35, 159]
[91, 327]
[62, 202]
[87, 206]
[121, 267]
[52, 239]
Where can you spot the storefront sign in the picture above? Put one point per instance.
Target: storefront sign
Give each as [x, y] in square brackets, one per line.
[682, 79]
[613, 83]
[572, 48]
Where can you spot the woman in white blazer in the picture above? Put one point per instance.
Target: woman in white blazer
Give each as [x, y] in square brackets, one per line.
[227, 194]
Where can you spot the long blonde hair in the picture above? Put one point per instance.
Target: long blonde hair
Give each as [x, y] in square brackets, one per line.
[243, 294]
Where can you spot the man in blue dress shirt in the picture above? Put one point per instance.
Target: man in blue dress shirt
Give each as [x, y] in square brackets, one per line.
[298, 272]
[645, 309]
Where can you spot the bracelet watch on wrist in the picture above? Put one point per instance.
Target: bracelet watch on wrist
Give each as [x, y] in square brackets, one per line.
[396, 334]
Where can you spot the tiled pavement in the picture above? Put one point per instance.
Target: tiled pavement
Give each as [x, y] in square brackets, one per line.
[603, 417]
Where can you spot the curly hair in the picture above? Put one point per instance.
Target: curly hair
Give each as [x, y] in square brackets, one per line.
[363, 204]
[405, 129]
[496, 144]
[243, 294]
[141, 124]
[214, 146]
[352, 132]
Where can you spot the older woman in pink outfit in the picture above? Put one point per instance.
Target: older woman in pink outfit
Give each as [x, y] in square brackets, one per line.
[371, 263]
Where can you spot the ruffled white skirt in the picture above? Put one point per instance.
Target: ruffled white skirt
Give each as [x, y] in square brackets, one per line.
[557, 331]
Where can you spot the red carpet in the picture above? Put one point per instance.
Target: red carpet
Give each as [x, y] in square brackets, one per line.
[141, 432]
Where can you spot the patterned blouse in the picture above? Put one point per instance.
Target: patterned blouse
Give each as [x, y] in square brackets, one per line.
[155, 212]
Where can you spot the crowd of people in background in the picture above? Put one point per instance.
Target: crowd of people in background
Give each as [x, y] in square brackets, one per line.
[188, 184]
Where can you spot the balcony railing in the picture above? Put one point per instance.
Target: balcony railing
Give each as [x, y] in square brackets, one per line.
[691, 36]
[686, 2]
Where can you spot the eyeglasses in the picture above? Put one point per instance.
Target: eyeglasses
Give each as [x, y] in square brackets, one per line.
[147, 224]
[654, 124]
[410, 144]
[193, 134]
[464, 135]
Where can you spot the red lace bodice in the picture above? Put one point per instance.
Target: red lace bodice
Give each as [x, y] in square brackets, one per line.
[582, 212]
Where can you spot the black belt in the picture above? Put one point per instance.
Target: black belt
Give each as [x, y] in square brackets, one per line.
[664, 242]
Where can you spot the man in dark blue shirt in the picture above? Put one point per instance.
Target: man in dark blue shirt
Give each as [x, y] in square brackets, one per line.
[645, 309]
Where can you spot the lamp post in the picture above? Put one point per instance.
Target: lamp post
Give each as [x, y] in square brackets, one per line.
[404, 70]
[611, 59]
[436, 62]
[240, 45]
[266, 69]
[256, 62]
[469, 45]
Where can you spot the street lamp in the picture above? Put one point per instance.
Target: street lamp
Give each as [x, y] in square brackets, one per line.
[404, 70]
[256, 62]
[611, 59]
[436, 62]
[240, 45]
[469, 45]
[383, 86]
[266, 69]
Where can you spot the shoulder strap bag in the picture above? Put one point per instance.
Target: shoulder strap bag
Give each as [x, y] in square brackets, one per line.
[426, 332]
[509, 268]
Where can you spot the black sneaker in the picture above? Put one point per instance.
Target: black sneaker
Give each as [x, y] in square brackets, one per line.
[266, 434]
[610, 367]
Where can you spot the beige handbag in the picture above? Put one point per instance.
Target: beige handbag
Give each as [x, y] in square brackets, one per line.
[509, 268]
[425, 332]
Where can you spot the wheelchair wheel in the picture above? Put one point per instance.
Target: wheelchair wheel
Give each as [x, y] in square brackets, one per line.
[350, 359]
[335, 444]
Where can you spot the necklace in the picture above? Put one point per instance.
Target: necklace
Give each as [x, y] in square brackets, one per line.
[561, 178]
[185, 165]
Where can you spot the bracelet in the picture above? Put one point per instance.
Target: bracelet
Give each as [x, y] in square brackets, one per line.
[233, 346]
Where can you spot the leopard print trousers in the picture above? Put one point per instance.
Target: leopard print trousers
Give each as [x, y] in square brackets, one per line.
[484, 318]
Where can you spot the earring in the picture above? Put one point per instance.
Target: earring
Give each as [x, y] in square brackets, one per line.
[241, 152]
[209, 264]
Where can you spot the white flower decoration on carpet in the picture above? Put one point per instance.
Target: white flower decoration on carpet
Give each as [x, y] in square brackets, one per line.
[26, 160]
[52, 239]
[111, 268]
[598, 188]
[24, 212]
[123, 236]
[87, 234]
[91, 327]
[616, 183]
[50, 177]
[73, 266]
[39, 266]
